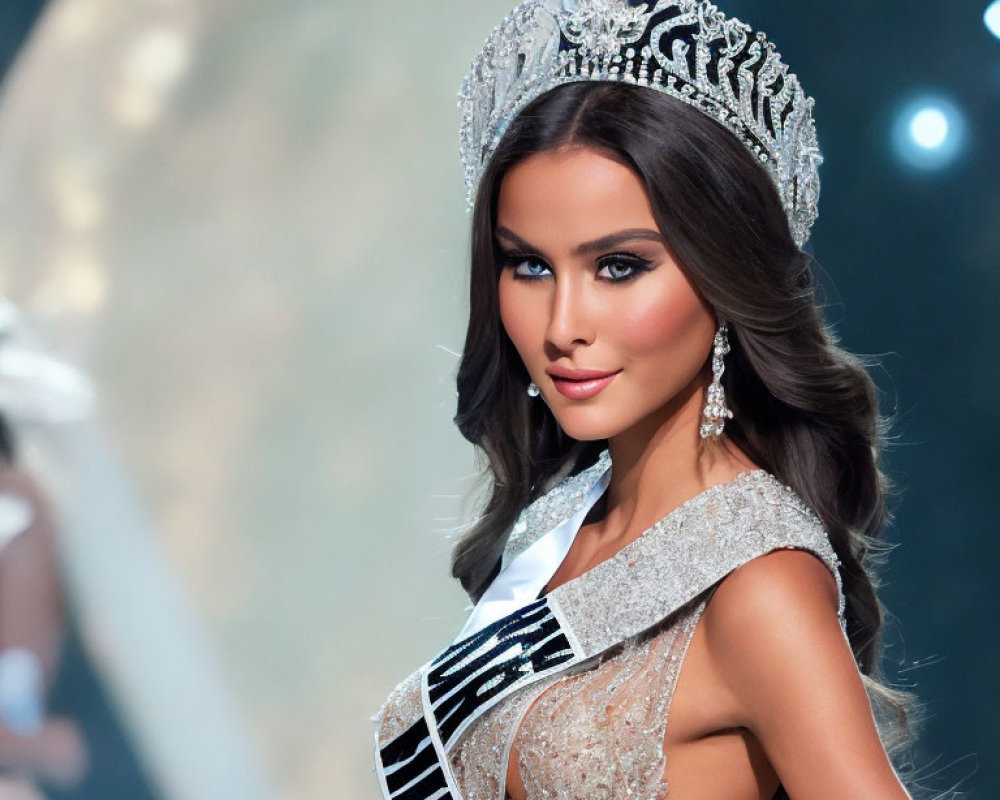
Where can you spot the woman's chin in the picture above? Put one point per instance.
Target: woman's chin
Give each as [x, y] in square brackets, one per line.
[586, 430]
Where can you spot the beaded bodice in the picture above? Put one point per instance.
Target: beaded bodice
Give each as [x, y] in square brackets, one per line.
[586, 736]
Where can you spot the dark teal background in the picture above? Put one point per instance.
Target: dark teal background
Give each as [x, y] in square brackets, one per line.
[911, 263]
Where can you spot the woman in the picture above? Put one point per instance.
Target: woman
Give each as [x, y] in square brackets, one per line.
[685, 467]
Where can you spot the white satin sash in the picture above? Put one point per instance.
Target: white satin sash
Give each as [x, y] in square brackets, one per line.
[520, 581]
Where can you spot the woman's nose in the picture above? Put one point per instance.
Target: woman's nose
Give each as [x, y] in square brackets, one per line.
[570, 319]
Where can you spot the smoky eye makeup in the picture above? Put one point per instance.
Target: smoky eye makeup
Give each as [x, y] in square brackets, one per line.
[617, 262]
[619, 267]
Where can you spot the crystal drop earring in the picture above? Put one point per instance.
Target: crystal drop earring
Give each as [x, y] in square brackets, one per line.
[533, 390]
[716, 412]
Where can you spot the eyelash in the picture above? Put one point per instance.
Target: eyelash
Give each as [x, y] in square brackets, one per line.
[636, 263]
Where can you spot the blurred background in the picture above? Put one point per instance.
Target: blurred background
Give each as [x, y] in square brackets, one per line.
[235, 235]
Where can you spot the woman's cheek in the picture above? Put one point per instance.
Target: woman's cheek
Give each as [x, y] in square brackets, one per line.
[516, 319]
[663, 321]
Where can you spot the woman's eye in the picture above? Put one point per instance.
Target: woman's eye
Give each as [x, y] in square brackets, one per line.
[525, 267]
[617, 269]
[624, 269]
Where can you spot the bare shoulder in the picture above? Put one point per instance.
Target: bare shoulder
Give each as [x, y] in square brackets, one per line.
[774, 641]
[770, 582]
[778, 607]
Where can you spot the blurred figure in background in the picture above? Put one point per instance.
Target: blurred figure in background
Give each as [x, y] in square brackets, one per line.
[60, 737]
[32, 626]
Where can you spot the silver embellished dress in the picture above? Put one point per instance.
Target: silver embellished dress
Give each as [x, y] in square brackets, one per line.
[596, 734]
[593, 726]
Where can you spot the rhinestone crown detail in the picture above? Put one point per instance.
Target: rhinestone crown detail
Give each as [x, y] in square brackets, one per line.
[685, 48]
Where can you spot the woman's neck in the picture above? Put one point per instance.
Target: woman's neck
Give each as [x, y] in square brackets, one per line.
[658, 464]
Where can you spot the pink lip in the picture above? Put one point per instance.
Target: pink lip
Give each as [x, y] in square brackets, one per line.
[579, 374]
[581, 390]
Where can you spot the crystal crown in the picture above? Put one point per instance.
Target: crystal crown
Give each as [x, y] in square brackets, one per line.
[685, 48]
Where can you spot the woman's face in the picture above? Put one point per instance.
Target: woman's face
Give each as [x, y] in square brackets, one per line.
[589, 284]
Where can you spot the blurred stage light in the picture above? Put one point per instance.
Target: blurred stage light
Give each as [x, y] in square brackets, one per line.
[929, 133]
[992, 18]
[929, 128]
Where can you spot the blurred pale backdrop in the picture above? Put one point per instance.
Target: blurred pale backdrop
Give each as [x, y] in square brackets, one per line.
[246, 221]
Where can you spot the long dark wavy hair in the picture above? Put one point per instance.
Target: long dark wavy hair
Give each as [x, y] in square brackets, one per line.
[804, 409]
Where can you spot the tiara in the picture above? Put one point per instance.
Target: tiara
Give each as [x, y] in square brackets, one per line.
[685, 48]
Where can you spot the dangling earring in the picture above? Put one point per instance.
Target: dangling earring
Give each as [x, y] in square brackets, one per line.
[716, 413]
[533, 390]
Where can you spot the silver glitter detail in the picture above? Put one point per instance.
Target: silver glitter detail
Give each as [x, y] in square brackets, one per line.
[595, 733]
[687, 551]
[767, 110]
[477, 760]
[601, 734]
[400, 711]
[716, 411]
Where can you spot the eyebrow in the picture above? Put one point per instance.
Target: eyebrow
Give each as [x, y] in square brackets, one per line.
[604, 243]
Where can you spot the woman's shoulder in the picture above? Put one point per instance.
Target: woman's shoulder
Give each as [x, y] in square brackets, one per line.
[772, 632]
[780, 543]
[762, 591]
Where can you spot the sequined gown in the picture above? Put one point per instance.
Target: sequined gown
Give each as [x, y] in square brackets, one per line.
[594, 735]
[595, 730]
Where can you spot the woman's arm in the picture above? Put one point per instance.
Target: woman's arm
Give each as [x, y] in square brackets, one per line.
[775, 641]
[32, 609]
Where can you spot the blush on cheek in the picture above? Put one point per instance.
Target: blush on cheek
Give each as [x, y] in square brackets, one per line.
[674, 321]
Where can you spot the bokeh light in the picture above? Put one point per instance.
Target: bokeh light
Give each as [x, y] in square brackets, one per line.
[992, 18]
[929, 128]
[929, 133]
